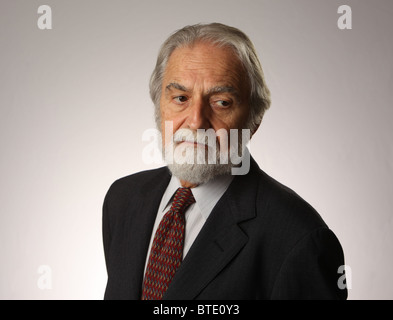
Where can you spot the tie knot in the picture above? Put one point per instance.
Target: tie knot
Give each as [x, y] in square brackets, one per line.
[183, 198]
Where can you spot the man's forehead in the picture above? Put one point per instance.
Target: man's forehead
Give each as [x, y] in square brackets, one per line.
[213, 68]
[212, 59]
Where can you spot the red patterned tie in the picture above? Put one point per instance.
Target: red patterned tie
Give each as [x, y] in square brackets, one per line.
[167, 249]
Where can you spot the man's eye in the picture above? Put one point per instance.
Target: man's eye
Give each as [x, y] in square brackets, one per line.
[222, 103]
[180, 99]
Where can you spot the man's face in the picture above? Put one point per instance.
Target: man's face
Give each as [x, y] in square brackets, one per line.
[204, 87]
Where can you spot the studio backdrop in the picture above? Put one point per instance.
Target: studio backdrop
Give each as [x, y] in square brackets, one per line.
[74, 106]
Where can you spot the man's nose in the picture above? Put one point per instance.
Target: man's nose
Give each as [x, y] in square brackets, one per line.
[199, 115]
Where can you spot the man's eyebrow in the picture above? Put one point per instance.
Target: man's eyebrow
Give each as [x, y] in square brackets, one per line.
[213, 90]
[225, 89]
[222, 89]
[176, 86]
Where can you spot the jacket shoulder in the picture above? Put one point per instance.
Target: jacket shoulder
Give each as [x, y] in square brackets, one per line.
[134, 186]
[138, 181]
[287, 208]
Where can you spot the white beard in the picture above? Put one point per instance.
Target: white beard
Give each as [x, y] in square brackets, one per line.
[196, 164]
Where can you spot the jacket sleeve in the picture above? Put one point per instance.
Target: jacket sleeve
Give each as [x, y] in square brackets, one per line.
[106, 232]
[310, 271]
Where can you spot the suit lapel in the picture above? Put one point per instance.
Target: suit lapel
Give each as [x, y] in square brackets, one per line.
[219, 241]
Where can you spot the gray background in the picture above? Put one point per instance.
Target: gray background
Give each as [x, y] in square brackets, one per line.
[74, 104]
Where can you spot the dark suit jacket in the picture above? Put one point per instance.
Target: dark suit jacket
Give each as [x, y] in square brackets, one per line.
[261, 241]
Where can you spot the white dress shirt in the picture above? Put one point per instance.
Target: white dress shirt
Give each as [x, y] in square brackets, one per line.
[206, 197]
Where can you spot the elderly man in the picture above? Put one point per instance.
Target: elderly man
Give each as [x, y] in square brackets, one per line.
[197, 229]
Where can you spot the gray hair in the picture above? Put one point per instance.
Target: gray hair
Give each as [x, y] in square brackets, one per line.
[222, 36]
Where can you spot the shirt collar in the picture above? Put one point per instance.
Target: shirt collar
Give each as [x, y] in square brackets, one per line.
[206, 195]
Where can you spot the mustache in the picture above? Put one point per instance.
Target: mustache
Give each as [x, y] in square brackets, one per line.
[203, 137]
